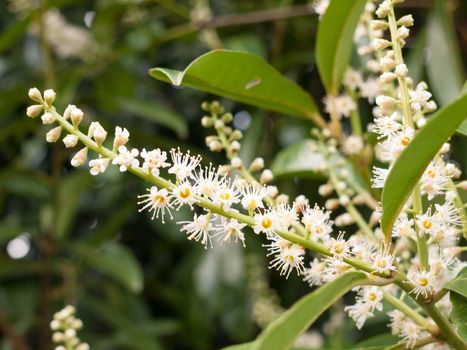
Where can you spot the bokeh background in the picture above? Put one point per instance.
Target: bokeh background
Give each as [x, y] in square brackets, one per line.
[67, 237]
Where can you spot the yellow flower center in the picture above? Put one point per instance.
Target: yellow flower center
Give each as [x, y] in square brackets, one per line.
[423, 281]
[338, 248]
[185, 193]
[372, 296]
[405, 141]
[431, 173]
[266, 222]
[427, 224]
[158, 199]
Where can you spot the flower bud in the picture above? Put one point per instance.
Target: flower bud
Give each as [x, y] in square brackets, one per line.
[83, 346]
[49, 97]
[215, 146]
[282, 198]
[98, 132]
[344, 200]
[344, 220]
[387, 63]
[385, 102]
[325, 190]
[206, 122]
[58, 337]
[217, 108]
[365, 50]
[54, 325]
[421, 122]
[401, 70]
[266, 176]
[35, 94]
[80, 157]
[34, 111]
[257, 165]
[462, 185]
[445, 148]
[384, 9]
[54, 134]
[70, 140]
[219, 125]
[235, 146]
[68, 110]
[236, 162]
[380, 44]
[48, 118]
[332, 204]
[236, 135]
[272, 191]
[406, 21]
[387, 77]
[206, 106]
[76, 116]
[224, 170]
[227, 118]
[378, 25]
[403, 32]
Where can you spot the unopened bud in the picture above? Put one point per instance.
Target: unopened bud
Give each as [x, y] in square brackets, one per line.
[384, 9]
[219, 125]
[272, 191]
[68, 110]
[224, 170]
[344, 220]
[282, 198]
[387, 63]
[34, 111]
[406, 21]
[403, 32]
[49, 97]
[462, 185]
[54, 134]
[266, 176]
[325, 190]
[236, 135]
[227, 118]
[387, 77]
[35, 94]
[332, 204]
[385, 102]
[206, 122]
[380, 44]
[80, 157]
[58, 337]
[235, 146]
[48, 118]
[421, 122]
[217, 108]
[70, 140]
[401, 70]
[215, 146]
[206, 106]
[445, 148]
[365, 50]
[76, 116]
[236, 162]
[257, 165]
[378, 24]
[344, 200]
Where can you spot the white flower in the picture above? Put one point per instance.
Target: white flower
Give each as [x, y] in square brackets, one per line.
[394, 145]
[156, 201]
[359, 312]
[341, 106]
[70, 140]
[121, 137]
[353, 145]
[252, 196]
[183, 194]
[385, 126]
[314, 275]
[226, 194]
[126, 158]
[154, 160]
[287, 256]
[320, 7]
[339, 247]
[352, 78]
[383, 261]
[317, 223]
[434, 179]
[423, 282]
[286, 214]
[370, 89]
[398, 320]
[208, 180]
[98, 165]
[198, 229]
[403, 227]
[427, 222]
[183, 163]
[411, 332]
[230, 228]
[379, 177]
[419, 97]
[266, 223]
[334, 268]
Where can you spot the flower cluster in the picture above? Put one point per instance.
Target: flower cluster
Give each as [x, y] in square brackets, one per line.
[65, 326]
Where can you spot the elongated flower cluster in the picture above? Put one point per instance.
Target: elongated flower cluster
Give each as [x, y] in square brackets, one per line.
[65, 326]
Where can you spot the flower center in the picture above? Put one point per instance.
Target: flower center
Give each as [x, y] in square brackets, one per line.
[266, 222]
[405, 141]
[185, 193]
[423, 281]
[427, 224]
[372, 296]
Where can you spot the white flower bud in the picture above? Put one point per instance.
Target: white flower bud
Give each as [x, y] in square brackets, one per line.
[224, 170]
[344, 200]
[373, 66]
[385, 102]
[430, 106]
[403, 32]
[282, 198]
[34, 111]
[257, 165]
[332, 204]
[421, 122]
[49, 97]
[387, 63]
[266, 176]
[325, 190]
[401, 70]
[57, 337]
[272, 191]
[360, 199]
[406, 21]
[70, 140]
[387, 77]
[445, 148]
[235, 146]
[236, 162]
[60, 347]
[83, 346]
[54, 325]
[215, 146]
[227, 118]
[236, 135]
[380, 44]
[341, 186]
[344, 220]
[206, 122]
[70, 333]
[68, 110]
[121, 137]
[462, 185]
[48, 118]
[76, 116]
[79, 158]
[35, 94]
[54, 134]
[219, 125]
[378, 24]
[99, 133]
[365, 50]
[384, 9]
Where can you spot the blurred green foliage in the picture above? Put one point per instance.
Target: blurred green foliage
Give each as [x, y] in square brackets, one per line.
[139, 284]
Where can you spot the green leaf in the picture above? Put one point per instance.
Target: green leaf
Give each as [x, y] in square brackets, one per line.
[335, 40]
[376, 342]
[459, 313]
[282, 333]
[243, 77]
[14, 32]
[114, 260]
[459, 284]
[442, 51]
[154, 112]
[411, 164]
[462, 129]
[302, 160]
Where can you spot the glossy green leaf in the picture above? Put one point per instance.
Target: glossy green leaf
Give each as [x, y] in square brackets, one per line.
[335, 40]
[302, 160]
[459, 284]
[459, 313]
[114, 260]
[442, 51]
[14, 32]
[243, 77]
[411, 164]
[462, 129]
[282, 333]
